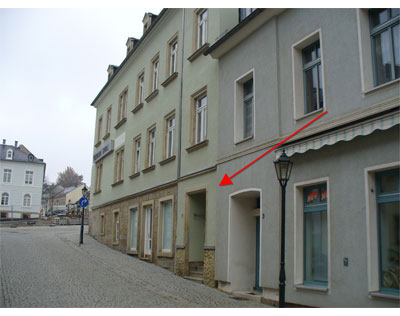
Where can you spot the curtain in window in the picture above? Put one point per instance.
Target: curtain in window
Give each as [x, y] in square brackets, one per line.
[167, 226]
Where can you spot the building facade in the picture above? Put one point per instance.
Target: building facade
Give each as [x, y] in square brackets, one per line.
[22, 176]
[154, 165]
[278, 70]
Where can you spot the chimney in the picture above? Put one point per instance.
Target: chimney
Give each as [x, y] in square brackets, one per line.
[16, 143]
[4, 141]
[147, 20]
[111, 69]
[130, 44]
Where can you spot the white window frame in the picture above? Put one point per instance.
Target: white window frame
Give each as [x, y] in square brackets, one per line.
[202, 110]
[298, 75]
[147, 242]
[141, 89]
[133, 208]
[102, 224]
[116, 227]
[372, 223]
[8, 199]
[170, 133]
[161, 249]
[202, 28]
[9, 154]
[173, 56]
[108, 124]
[238, 107]
[299, 234]
[152, 147]
[137, 154]
[99, 128]
[9, 175]
[30, 200]
[123, 101]
[31, 178]
[156, 66]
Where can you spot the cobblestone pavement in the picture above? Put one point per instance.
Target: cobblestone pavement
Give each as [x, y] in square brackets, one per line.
[45, 267]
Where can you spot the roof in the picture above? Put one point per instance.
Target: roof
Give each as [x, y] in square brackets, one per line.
[153, 24]
[65, 191]
[20, 154]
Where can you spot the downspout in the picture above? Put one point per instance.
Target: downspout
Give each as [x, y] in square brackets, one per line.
[180, 98]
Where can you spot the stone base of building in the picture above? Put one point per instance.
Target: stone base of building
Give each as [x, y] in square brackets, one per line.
[209, 268]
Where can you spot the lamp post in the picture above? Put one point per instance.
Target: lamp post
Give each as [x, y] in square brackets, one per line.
[283, 168]
[84, 192]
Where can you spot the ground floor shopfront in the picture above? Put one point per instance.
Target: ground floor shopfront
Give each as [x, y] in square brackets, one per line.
[342, 224]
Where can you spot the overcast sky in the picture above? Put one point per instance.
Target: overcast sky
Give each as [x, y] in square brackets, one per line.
[53, 62]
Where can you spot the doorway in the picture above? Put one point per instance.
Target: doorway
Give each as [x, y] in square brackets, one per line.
[148, 223]
[244, 240]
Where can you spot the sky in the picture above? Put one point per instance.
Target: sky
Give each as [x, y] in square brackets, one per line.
[53, 63]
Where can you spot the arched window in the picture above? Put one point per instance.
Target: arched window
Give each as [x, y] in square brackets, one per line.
[4, 198]
[27, 200]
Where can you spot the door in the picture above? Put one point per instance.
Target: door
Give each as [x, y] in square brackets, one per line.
[134, 219]
[257, 281]
[148, 230]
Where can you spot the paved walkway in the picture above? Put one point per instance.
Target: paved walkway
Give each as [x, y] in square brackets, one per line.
[45, 267]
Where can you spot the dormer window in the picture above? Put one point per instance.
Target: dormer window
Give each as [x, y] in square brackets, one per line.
[9, 154]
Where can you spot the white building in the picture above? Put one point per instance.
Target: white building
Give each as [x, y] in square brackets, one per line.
[21, 182]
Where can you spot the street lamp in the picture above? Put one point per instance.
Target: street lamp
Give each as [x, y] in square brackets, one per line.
[84, 193]
[283, 168]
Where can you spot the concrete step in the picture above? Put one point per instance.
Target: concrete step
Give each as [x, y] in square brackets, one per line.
[196, 273]
[193, 278]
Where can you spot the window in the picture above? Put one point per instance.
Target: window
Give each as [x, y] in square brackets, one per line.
[116, 228]
[3, 214]
[170, 128]
[119, 165]
[151, 147]
[388, 213]
[137, 155]
[155, 71]
[7, 175]
[201, 28]
[385, 37]
[166, 225]
[141, 89]
[133, 230]
[108, 123]
[9, 154]
[315, 234]
[245, 12]
[123, 98]
[102, 224]
[308, 75]
[28, 177]
[201, 119]
[99, 173]
[148, 229]
[313, 91]
[248, 108]
[99, 127]
[4, 199]
[173, 55]
[27, 200]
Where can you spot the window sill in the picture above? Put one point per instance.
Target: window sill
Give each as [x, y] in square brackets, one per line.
[312, 287]
[198, 52]
[115, 243]
[244, 140]
[197, 146]
[151, 96]
[310, 114]
[137, 108]
[387, 295]
[382, 86]
[131, 252]
[169, 79]
[97, 192]
[165, 254]
[117, 183]
[152, 167]
[165, 161]
[97, 144]
[135, 175]
[120, 123]
[106, 136]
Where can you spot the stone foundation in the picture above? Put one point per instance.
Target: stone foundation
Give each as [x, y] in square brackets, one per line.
[181, 268]
[209, 268]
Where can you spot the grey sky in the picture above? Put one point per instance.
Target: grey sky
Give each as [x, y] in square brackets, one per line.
[53, 63]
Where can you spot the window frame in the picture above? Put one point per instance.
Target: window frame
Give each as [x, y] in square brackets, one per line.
[133, 208]
[30, 200]
[99, 128]
[99, 175]
[172, 55]
[150, 152]
[108, 122]
[102, 224]
[136, 154]
[116, 227]
[9, 177]
[202, 122]
[377, 30]
[169, 135]
[161, 251]
[119, 165]
[122, 104]
[201, 24]
[3, 196]
[31, 177]
[155, 73]
[10, 154]
[245, 12]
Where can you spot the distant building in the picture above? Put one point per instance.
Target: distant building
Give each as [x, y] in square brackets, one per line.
[21, 182]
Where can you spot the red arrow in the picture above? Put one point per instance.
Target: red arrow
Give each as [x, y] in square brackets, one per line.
[226, 180]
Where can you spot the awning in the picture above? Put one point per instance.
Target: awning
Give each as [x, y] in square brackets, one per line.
[345, 134]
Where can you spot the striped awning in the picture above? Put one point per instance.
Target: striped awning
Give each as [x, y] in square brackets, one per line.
[345, 134]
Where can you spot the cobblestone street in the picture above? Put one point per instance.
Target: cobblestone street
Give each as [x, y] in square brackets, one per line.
[45, 267]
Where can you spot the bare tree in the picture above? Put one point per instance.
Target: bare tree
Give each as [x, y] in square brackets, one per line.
[69, 178]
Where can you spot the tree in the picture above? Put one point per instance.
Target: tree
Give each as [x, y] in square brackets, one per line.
[69, 178]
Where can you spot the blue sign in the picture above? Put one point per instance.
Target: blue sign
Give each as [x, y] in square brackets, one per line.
[83, 202]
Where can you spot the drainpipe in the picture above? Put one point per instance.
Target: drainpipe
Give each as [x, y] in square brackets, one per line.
[180, 98]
